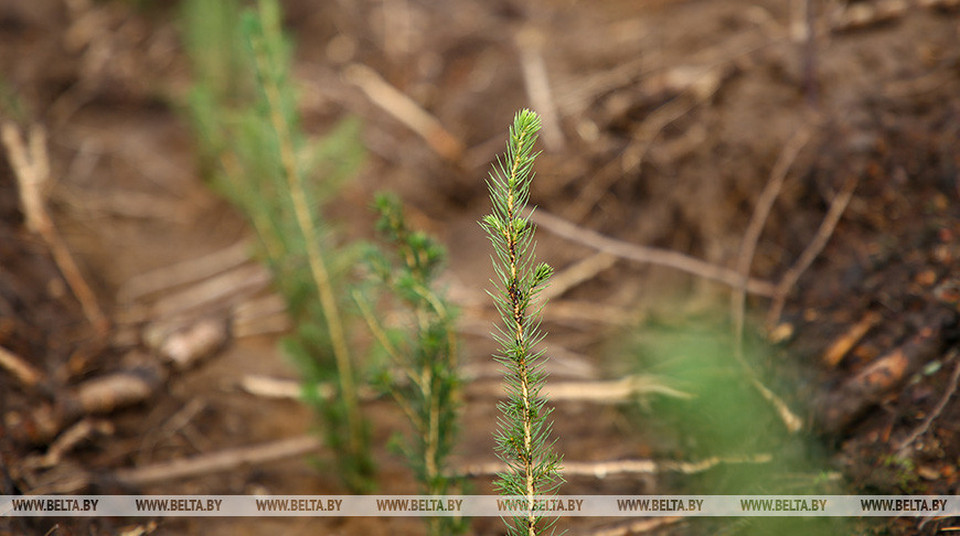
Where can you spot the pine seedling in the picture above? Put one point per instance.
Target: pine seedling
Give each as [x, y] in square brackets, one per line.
[523, 440]
[423, 351]
[244, 110]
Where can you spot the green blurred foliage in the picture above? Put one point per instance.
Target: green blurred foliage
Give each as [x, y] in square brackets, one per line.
[420, 347]
[728, 418]
[243, 108]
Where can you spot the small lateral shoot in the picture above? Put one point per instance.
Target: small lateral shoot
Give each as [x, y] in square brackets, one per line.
[524, 441]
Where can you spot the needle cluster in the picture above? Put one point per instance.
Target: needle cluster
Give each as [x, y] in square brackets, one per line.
[423, 350]
[523, 439]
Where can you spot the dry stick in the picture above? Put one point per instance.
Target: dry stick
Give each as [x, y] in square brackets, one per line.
[68, 439]
[124, 203]
[789, 279]
[260, 307]
[284, 389]
[530, 44]
[297, 446]
[751, 236]
[790, 419]
[563, 362]
[99, 395]
[175, 424]
[629, 467]
[185, 347]
[404, 109]
[230, 286]
[223, 460]
[922, 429]
[24, 372]
[748, 248]
[274, 324]
[578, 94]
[644, 254]
[32, 170]
[599, 391]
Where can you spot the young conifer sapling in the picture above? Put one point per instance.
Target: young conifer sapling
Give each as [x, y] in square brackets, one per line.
[244, 109]
[423, 351]
[523, 439]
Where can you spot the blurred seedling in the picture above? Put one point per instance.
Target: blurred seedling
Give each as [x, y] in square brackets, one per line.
[244, 111]
[421, 349]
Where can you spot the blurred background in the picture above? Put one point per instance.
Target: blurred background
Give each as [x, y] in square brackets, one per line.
[751, 207]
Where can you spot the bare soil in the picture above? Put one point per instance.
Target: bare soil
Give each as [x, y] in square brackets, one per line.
[666, 120]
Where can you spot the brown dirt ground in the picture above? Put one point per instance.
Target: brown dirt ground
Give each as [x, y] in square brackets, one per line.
[673, 115]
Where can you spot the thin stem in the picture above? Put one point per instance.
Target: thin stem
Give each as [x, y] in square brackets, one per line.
[522, 442]
[318, 269]
[381, 335]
